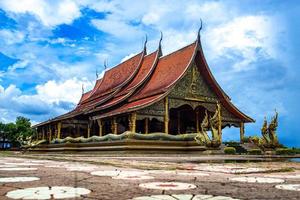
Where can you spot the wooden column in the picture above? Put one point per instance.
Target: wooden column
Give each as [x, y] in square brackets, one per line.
[43, 136]
[178, 122]
[58, 130]
[166, 117]
[78, 130]
[99, 121]
[146, 125]
[89, 130]
[50, 133]
[242, 132]
[114, 126]
[197, 121]
[132, 122]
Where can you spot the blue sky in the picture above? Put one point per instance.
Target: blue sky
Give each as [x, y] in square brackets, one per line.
[48, 49]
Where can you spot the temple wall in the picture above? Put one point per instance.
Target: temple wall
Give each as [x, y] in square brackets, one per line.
[193, 90]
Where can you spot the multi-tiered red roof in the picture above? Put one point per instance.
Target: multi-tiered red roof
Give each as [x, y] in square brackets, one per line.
[145, 79]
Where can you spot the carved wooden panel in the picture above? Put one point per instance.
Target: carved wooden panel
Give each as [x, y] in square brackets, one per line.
[193, 86]
[156, 109]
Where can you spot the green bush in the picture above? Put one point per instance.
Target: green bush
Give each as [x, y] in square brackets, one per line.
[254, 152]
[232, 143]
[296, 150]
[285, 151]
[246, 139]
[229, 150]
[255, 139]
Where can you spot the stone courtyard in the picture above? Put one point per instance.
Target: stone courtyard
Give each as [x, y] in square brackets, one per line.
[72, 176]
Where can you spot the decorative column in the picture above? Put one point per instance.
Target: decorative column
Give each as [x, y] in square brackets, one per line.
[132, 122]
[89, 130]
[178, 122]
[43, 133]
[114, 126]
[78, 130]
[50, 133]
[146, 125]
[99, 121]
[197, 121]
[242, 132]
[58, 130]
[166, 117]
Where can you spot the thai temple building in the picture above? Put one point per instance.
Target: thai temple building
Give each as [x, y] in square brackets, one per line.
[151, 94]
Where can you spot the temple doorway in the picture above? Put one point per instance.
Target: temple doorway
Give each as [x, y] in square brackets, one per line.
[184, 119]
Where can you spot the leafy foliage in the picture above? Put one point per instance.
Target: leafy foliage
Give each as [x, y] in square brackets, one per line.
[229, 150]
[285, 151]
[16, 132]
[255, 152]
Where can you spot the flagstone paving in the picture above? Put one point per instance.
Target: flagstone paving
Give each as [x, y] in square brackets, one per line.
[91, 178]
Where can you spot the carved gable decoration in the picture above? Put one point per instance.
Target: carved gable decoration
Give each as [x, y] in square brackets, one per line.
[193, 86]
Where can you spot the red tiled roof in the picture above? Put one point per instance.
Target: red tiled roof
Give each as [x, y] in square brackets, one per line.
[112, 80]
[145, 70]
[224, 98]
[143, 80]
[118, 75]
[84, 97]
[168, 70]
[131, 106]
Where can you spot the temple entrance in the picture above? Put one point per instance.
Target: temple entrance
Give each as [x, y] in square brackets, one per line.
[122, 124]
[185, 119]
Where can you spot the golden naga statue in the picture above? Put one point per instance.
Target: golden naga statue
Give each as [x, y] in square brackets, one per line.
[202, 137]
[272, 130]
[270, 139]
[264, 131]
[216, 127]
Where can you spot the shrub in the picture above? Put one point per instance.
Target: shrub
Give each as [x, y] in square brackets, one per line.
[229, 150]
[296, 150]
[255, 139]
[232, 143]
[285, 151]
[255, 152]
[246, 139]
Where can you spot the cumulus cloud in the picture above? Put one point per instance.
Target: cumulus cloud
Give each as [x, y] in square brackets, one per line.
[51, 99]
[10, 37]
[50, 13]
[68, 91]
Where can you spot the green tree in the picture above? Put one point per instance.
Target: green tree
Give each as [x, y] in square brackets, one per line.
[16, 132]
[2, 132]
[23, 128]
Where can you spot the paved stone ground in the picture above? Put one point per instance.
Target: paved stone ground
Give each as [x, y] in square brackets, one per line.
[214, 179]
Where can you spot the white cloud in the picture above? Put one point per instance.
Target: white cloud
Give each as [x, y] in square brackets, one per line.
[50, 13]
[245, 35]
[117, 28]
[69, 90]
[11, 37]
[51, 99]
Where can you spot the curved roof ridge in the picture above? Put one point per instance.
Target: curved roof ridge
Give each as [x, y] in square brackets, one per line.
[161, 79]
[219, 91]
[131, 87]
[84, 96]
[103, 88]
